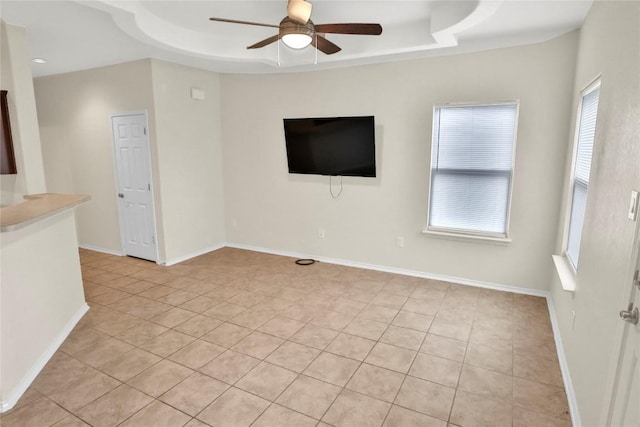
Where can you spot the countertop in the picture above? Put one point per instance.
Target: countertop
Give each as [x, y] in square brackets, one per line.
[36, 207]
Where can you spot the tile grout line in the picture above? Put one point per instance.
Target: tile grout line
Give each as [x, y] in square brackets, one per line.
[323, 292]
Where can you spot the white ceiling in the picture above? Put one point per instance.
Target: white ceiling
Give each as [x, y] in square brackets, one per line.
[75, 35]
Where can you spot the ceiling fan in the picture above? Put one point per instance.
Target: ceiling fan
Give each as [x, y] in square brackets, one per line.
[298, 31]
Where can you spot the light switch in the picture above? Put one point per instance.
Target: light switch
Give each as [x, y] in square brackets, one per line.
[633, 206]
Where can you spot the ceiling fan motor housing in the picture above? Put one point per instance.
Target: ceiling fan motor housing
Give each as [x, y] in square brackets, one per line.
[288, 26]
[297, 34]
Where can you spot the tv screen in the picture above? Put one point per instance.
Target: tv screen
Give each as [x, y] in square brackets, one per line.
[331, 146]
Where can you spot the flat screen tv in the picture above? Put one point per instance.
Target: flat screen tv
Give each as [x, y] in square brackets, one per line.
[336, 146]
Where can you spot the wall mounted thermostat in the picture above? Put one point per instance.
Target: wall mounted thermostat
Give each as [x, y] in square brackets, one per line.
[197, 94]
[633, 206]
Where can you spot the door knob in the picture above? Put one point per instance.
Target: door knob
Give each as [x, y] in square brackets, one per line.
[121, 195]
[631, 315]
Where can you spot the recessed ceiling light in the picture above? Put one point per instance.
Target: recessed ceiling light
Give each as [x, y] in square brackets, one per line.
[39, 60]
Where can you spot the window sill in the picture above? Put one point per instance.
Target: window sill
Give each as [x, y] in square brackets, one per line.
[565, 273]
[501, 241]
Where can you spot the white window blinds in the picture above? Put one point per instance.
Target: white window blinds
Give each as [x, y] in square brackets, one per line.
[471, 168]
[584, 150]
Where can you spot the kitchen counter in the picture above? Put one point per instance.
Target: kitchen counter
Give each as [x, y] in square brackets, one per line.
[41, 287]
[36, 207]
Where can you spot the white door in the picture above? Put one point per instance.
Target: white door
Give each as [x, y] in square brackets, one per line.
[625, 407]
[135, 198]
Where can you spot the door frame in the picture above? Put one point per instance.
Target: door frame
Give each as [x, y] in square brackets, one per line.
[115, 177]
[619, 334]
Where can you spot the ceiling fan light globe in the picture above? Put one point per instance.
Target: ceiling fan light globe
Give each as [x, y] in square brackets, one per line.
[296, 41]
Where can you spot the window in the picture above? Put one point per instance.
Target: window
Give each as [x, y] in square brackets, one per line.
[472, 168]
[585, 135]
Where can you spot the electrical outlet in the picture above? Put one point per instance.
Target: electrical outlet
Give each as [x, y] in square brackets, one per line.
[321, 233]
[400, 242]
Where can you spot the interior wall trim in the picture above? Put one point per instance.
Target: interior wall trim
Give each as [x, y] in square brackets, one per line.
[12, 396]
[564, 366]
[193, 254]
[402, 271]
[99, 249]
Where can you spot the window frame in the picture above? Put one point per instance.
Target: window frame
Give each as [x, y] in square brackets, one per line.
[477, 235]
[593, 85]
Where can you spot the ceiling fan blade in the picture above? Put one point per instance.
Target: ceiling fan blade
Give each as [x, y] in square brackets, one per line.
[364, 29]
[264, 42]
[299, 11]
[234, 21]
[324, 45]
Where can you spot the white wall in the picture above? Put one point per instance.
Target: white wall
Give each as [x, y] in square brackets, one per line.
[610, 45]
[40, 285]
[74, 111]
[267, 207]
[189, 148]
[40, 305]
[15, 77]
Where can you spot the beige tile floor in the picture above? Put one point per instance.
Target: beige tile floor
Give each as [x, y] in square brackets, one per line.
[238, 338]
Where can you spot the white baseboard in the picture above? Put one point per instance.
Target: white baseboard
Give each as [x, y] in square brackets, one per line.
[99, 249]
[402, 271]
[168, 262]
[12, 396]
[194, 254]
[564, 366]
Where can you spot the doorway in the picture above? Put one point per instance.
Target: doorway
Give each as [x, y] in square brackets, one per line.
[624, 407]
[134, 185]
